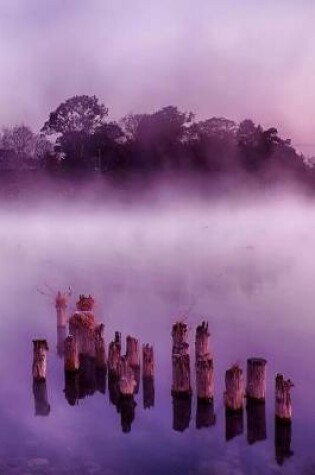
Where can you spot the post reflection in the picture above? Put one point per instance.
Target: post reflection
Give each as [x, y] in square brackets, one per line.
[42, 406]
[205, 416]
[126, 408]
[233, 424]
[181, 412]
[283, 433]
[256, 422]
[148, 393]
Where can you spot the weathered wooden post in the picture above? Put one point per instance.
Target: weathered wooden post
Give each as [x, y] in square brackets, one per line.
[180, 361]
[256, 421]
[100, 353]
[82, 325]
[283, 433]
[40, 349]
[256, 379]
[127, 382]
[132, 351]
[114, 353]
[42, 406]
[204, 379]
[61, 303]
[234, 392]
[71, 355]
[202, 349]
[283, 399]
[205, 416]
[147, 361]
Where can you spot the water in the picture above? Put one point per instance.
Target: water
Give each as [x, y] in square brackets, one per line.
[247, 269]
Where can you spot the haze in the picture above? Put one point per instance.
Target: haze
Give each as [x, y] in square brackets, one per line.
[221, 58]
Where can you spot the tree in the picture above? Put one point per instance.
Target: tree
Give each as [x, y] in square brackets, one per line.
[77, 114]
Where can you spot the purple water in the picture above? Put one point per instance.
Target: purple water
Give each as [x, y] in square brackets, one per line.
[247, 269]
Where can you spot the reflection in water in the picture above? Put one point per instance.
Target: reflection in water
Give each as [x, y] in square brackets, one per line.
[101, 374]
[61, 336]
[181, 412]
[205, 416]
[72, 389]
[256, 422]
[148, 392]
[126, 407]
[42, 407]
[113, 389]
[233, 424]
[87, 376]
[283, 431]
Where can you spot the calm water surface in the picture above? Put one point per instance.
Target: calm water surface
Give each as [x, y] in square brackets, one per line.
[248, 270]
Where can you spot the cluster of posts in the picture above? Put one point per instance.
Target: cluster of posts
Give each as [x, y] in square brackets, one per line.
[87, 365]
[234, 396]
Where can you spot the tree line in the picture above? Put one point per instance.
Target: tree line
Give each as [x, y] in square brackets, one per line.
[79, 136]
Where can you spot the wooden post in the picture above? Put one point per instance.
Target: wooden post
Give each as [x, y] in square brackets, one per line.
[40, 349]
[202, 342]
[132, 351]
[283, 399]
[114, 351]
[148, 361]
[61, 303]
[179, 335]
[71, 355]
[127, 382]
[234, 393]
[100, 353]
[82, 325]
[181, 375]
[256, 379]
[204, 379]
[42, 406]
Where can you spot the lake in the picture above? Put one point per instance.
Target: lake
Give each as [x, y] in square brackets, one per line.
[245, 267]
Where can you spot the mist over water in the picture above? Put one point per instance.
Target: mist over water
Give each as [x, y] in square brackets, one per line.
[245, 266]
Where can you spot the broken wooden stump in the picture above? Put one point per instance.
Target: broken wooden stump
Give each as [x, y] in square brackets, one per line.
[132, 351]
[40, 349]
[100, 353]
[181, 375]
[256, 421]
[205, 416]
[42, 406]
[256, 379]
[61, 304]
[283, 399]
[147, 361]
[82, 325]
[179, 336]
[114, 353]
[283, 434]
[127, 382]
[204, 379]
[234, 389]
[71, 355]
[202, 342]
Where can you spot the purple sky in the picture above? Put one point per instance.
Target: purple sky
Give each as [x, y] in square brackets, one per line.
[233, 58]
